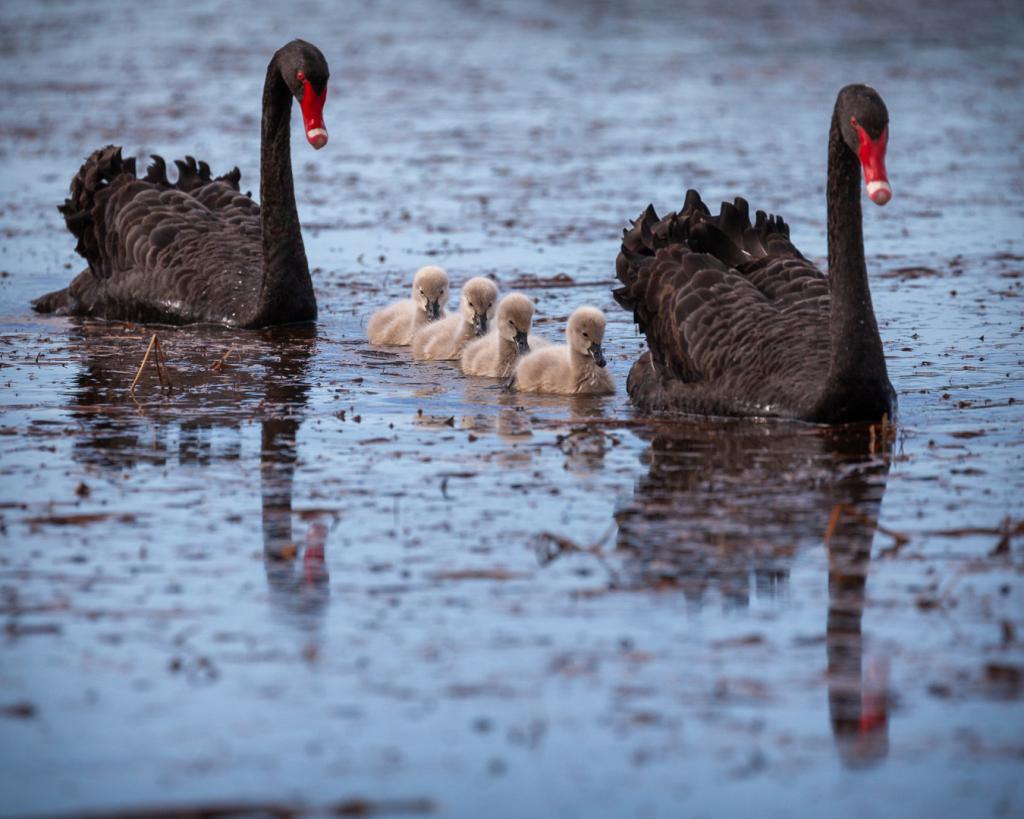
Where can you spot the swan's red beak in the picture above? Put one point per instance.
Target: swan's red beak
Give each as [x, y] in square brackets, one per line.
[872, 160]
[313, 115]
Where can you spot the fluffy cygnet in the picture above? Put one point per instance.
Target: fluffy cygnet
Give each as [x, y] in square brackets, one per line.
[576, 369]
[445, 339]
[495, 354]
[396, 324]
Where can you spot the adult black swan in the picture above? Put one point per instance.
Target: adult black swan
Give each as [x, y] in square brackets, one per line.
[738, 322]
[199, 251]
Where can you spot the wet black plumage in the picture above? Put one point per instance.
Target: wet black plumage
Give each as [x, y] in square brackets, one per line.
[738, 322]
[196, 250]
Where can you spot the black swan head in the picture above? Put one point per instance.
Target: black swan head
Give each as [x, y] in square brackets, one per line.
[864, 124]
[305, 72]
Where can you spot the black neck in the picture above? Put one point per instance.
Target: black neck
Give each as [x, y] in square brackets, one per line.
[286, 282]
[857, 355]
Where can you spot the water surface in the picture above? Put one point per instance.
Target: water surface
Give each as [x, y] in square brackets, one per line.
[314, 576]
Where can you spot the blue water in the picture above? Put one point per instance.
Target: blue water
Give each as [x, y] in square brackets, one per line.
[258, 598]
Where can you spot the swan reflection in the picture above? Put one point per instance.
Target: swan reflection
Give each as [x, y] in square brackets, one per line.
[721, 512]
[200, 423]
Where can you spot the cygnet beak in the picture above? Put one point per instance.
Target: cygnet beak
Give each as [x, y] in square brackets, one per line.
[433, 310]
[521, 340]
[598, 354]
[480, 323]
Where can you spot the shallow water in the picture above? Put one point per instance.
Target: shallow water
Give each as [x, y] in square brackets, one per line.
[316, 577]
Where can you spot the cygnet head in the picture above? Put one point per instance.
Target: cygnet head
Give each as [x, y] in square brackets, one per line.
[585, 333]
[479, 296]
[515, 315]
[430, 290]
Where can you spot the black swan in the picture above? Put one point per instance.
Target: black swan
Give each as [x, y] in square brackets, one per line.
[199, 251]
[738, 322]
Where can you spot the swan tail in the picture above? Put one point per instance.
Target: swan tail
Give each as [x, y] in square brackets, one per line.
[90, 188]
[729, 237]
[196, 179]
[635, 257]
[772, 234]
[641, 243]
[56, 302]
[649, 233]
[231, 178]
[675, 268]
[156, 173]
[191, 174]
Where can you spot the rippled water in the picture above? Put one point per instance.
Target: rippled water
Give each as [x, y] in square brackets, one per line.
[314, 576]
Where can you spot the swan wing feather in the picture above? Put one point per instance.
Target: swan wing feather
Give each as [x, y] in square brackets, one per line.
[722, 302]
[145, 236]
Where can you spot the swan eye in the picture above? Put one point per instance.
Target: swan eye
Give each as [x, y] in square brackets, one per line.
[585, 335]
[300, 75]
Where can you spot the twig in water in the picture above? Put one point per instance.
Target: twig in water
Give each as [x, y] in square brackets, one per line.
[145, 358]
[217, 366]
[833, 521]
[550, 546]
[161, 365]
[881, 436]
[899, 538]
[925, 602]
[1007, 531]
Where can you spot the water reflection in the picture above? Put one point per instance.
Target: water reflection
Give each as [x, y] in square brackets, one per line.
[512, 417]
[724, 507]
[222, 382]
[299, 583]
[857, 687]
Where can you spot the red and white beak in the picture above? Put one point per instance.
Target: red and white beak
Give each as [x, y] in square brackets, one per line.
[872, 160]
[313, 115]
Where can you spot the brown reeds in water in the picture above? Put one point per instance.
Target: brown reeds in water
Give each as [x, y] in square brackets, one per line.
[161, 365]
[841, 509]
[218, 365]
[881, 436]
